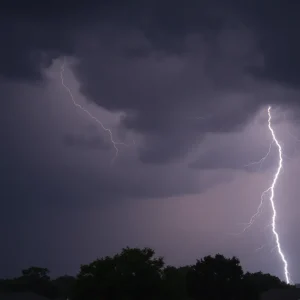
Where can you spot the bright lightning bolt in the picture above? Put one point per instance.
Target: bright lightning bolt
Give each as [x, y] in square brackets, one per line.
[62, 69]
[272, 188]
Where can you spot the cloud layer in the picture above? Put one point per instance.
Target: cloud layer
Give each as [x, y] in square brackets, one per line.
[186, 89]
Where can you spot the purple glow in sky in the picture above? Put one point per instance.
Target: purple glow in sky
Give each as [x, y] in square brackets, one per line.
[191, 89]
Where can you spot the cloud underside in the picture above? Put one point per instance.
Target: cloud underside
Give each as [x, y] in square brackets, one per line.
[206, 69]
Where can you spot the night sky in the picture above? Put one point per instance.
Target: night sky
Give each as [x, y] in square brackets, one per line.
[186, 85]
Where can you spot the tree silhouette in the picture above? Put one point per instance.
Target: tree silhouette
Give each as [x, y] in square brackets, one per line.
[36, 273]
[215, 278]
[64, 285]
[134, 273]
[37, 280]
[33, 279]
[137, 274]
[256, 283]
[174, 282]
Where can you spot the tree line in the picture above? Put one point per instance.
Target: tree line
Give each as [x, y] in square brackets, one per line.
[138, 274]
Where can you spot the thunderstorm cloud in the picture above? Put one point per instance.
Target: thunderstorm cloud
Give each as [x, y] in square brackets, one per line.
[186, 87]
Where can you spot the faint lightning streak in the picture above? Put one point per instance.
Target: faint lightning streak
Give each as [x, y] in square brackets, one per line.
[258, 211]
[294, 137]
[271, 188]
[260, 248]
[260, 162]
[200, 117]
[62, 69]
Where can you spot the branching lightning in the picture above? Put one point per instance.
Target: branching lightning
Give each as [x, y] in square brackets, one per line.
[114, 143]
[271, 191]
[260, 162]
[262, 197]
[258, 211]
[272, 188]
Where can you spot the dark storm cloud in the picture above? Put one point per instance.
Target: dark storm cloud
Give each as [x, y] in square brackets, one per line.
[160, 91]
[159, 63]
[84, 141]
[47, 27]
[233, 159]
[276, 25]
[29, 46]
[41, 171]
[178, 71]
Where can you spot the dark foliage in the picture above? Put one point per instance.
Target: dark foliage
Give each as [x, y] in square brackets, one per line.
[137, 274]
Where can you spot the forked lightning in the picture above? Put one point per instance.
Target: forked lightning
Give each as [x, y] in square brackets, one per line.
[88, 113]
[271, 191]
